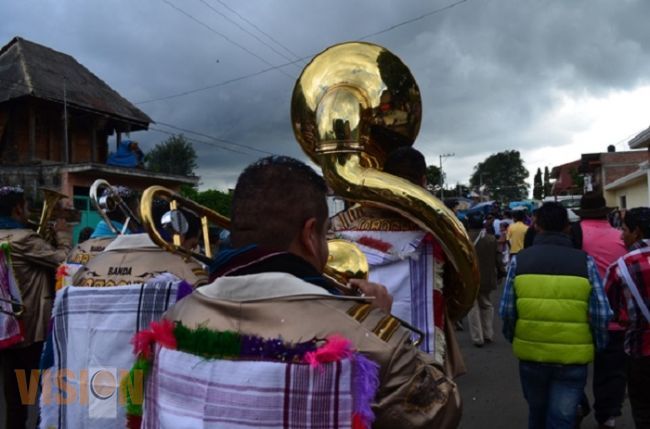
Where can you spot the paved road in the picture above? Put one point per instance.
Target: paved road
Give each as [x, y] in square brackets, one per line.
[492, 396]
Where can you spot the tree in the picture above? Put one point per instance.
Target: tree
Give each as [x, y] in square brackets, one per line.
[504, 176]
[211, 198]
[578, 181]
[548, 187]
[173, 156]
[433, 175]
[538, 187]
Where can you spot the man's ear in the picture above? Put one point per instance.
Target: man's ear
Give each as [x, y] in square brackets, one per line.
[309, 237]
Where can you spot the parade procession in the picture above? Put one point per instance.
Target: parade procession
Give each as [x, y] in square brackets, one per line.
[339, 283]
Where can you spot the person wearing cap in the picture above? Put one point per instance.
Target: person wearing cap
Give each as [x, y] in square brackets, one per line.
[134, 258]
[604, 244]
[628, 287]
[34, 261]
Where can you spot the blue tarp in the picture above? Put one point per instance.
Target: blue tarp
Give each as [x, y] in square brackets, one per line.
[128, 155]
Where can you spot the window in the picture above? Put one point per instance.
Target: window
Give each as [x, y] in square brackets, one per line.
[623, 203]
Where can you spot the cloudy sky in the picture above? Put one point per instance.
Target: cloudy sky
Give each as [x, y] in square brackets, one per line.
[552, 79]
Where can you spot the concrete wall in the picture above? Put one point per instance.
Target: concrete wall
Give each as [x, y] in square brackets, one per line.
[636, 195]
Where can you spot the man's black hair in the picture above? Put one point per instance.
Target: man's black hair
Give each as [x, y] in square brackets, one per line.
[9, 201]
[407, 163]
[552, 217]
[273, 199]
[518, 215]
[638, 217]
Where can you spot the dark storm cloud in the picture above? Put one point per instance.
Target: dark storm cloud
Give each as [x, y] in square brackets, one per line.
[488, 70]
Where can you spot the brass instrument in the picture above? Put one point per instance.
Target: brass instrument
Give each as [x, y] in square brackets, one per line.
[352, 105]
[50, 201]
[346, 261]
[174, 221]
[110, 202]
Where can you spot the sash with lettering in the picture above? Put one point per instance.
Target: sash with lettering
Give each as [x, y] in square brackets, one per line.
[90, 349]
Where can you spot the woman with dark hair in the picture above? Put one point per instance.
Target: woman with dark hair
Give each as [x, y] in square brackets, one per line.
[627, 283]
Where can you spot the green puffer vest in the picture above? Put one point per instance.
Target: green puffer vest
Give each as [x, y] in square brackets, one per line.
[552, 288]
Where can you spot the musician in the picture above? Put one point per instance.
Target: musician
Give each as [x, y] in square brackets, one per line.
[103, 235]
[34, 261]
[407, 260]
[271, 285]
[134, 258]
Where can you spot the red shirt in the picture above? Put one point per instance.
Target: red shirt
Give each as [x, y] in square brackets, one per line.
[626, 310]
[602, 242]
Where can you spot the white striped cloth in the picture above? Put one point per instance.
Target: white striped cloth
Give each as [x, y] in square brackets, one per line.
[188, 391]
[411, 274]
[9, 293]
[90, 340]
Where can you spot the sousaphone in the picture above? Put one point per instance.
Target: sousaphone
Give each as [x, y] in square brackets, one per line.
[352, 105]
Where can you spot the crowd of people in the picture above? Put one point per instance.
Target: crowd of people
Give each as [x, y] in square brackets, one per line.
[573, 294]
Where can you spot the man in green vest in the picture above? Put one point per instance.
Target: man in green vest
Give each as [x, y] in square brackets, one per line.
[555, 313]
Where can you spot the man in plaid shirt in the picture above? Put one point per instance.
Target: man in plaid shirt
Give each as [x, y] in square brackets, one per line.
[554, 312]
[627, 283]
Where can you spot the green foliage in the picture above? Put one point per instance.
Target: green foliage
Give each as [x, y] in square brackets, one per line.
[547, 183]
[504, 176]
[173, 156]
[578, 181]
[213, 199]
[433, 175]
[538, 187]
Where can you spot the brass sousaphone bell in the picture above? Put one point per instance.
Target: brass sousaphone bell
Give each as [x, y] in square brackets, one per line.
[352, 105]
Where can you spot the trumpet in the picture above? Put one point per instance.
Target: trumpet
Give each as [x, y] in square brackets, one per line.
[109, 202]
[51, 199]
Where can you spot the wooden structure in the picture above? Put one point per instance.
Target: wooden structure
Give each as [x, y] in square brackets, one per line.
[55, 120]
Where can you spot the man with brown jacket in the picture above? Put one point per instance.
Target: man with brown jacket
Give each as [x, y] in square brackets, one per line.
[490, 262]
[271, 285]
[34, 261]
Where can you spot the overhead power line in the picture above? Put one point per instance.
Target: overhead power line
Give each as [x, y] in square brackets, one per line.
[304, 58]
[218, 33]
[259, 29]
[232, 21]
[412, 20]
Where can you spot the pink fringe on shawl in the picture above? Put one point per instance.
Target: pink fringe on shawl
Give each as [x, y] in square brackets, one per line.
[159, 332]
[336, 348]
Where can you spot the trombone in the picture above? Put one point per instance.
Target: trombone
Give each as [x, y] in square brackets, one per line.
[109, 202]
[346, 261]
[175, 223]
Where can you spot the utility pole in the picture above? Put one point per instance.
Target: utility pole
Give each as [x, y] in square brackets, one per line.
[66, 155]
[442, 175]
